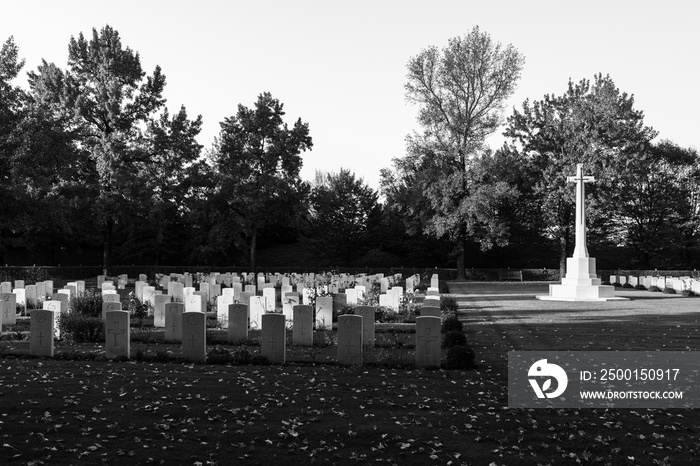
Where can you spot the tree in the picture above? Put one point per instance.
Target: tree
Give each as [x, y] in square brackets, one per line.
[343, 211]
[656, 203]
[161, 188]
[461, 91]
[12, 107]
[592, 123]
[257, 161]
[104, 91]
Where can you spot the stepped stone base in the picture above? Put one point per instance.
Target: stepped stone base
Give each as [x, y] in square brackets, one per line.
[581, 284]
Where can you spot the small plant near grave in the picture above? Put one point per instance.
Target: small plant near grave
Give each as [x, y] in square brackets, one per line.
[688, 293]
[628, 285]
[617, 284]
[654, 288]
[448, 307]
[460, 357]
[669, 290]
[452, 324]
[639, 286]
[220, 355]
[79, 328]
[454, 339]
[137, 309]
[87, 304]
[386, 358]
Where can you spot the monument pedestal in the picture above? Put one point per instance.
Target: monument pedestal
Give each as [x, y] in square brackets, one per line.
[581, 284]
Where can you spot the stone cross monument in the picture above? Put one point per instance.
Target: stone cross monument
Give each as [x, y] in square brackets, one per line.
[581, 282]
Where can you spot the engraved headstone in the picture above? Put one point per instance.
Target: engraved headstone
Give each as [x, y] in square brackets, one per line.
[41, 333]
[368, 316]
[427, 341]
[349, 339]
[194, 336]
[324, 313]
[173, 321]
[237, 322]
[117, 334]
[159, 309]
[303, 332]
[8, 309]
[272, 344]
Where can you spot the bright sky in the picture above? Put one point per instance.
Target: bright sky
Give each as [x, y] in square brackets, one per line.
[341, 66]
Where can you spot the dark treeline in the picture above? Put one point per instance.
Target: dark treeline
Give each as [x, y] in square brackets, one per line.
[95, 170]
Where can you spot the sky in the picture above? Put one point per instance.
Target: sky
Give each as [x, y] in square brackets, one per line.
[341, 65]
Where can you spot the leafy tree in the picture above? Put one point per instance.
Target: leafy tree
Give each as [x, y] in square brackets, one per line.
[12, 106]
[343, 212]
[161, 188]
[656, 202]
[460, 90]
[592, 123]
[257, 161]
[104, 91]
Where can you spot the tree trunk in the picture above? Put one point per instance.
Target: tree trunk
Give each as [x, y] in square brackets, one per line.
[563, 246]
[253, 249]
[462, 258]
[108, 239]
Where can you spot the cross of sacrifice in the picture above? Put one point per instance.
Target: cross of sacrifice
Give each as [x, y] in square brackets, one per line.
[116, 333]
[427, 339]
[580, 250]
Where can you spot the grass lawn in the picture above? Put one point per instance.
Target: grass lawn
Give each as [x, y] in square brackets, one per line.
[64, 411]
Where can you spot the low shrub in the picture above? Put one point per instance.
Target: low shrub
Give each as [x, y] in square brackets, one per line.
[454, 339]
[79, 328]
[669, 290]
[688, 293]
[654, 288]
[448, 305]
[220, 355]
[259, 360]
[87, 304]
[639, 286]
[460, 357]
[628, 285]
[243, 355]
[617, 284]
[452, 324]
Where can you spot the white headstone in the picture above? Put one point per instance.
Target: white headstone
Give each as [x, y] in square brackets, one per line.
[237, 322]
[117, 334]
[272, 344]
[428, 341]
[222, 309]
[41, 333]
[195, 303]
[111, 298]
[54, 306]
[257, 309]
[159, 309]
[349, 339]
[351, 295]
[194, 336]
[324, 313]
[368, 317]
[269, 299]
[173, 321]
[8, 309]
[108, 306]
[303, 330]
[290, 300]
[31, 296]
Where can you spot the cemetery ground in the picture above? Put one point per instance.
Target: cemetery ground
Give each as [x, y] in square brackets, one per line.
[79, 408]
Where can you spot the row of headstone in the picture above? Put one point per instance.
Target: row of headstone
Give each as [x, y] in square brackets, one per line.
[676, 283]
